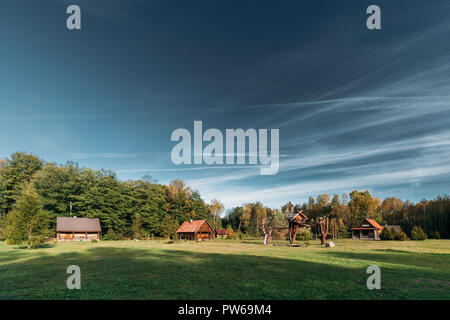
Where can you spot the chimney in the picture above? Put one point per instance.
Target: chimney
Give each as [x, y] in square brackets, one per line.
[190, 221]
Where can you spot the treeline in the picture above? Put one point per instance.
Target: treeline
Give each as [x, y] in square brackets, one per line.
[347, 211]
[146, 208]
[135, 208]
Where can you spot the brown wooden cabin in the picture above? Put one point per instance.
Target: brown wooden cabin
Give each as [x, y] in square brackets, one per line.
[77, 229]
[222, 233]
[369, 229]
[195, 230]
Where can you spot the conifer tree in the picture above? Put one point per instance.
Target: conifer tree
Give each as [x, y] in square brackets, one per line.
[27, 223]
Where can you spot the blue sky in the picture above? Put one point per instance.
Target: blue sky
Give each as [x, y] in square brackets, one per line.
[356, 109]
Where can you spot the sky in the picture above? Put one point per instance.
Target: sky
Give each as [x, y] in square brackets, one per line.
[356, 108]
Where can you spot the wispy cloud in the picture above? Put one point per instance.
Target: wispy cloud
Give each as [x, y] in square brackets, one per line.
[182, 169]
[300, 191]
[355, 108]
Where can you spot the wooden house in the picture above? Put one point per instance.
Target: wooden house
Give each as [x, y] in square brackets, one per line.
[195, 230]
[222, 233]
[369, 229]
[77, 229]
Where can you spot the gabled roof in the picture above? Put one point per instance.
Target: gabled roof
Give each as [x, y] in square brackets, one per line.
[192, 226]
[70, 224]
[293, 216]
[373, 225]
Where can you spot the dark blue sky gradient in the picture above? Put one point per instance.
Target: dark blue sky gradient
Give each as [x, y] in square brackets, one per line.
[356, 109]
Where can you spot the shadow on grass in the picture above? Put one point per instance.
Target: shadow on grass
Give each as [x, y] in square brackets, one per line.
[141, 273]
[434, 261]
[41, 246]
[11, 256]
[252, 242]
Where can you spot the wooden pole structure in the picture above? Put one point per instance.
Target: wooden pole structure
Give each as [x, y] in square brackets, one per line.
[294, 221]
[295, 233]
[323, 227]
[266, 235]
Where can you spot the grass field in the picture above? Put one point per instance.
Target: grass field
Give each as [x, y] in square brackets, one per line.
[227, 269]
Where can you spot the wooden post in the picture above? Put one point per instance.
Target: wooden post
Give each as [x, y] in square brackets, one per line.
[266, 235]
[295, 233]
[323, 226]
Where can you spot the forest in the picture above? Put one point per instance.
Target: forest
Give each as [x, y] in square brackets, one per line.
[145, 208]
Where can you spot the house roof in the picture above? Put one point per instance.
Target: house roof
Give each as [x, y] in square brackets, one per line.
[222, 231]
[70, 224]
[293, 215]
[192, 226]
[395, 227]
[373, 225]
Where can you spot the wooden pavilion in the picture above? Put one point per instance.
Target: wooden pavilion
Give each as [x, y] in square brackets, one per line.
[369, 229]
[195, 230]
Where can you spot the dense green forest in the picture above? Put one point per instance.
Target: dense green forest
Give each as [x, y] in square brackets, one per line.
[143, 208]
[125, 208]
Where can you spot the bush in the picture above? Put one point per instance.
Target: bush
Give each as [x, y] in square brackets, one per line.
[436, 235]
[231, 233]
[387, 234]
[394, 233]
[417, 233]
[344, 233]
[401, 236]
[94, 240]
[305, 235]
[112, 235]
[175, 239]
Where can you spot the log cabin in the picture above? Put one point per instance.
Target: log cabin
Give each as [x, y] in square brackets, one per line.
[77, 229]
[369, 229]
[195, 230]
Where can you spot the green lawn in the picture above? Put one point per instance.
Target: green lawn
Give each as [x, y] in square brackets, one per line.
[226, 269]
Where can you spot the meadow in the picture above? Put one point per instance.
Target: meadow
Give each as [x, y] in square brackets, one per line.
[227, 269]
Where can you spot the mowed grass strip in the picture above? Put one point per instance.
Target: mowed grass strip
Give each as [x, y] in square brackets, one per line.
[227, 269]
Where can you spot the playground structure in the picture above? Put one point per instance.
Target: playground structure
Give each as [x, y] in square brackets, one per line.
[295, 219]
